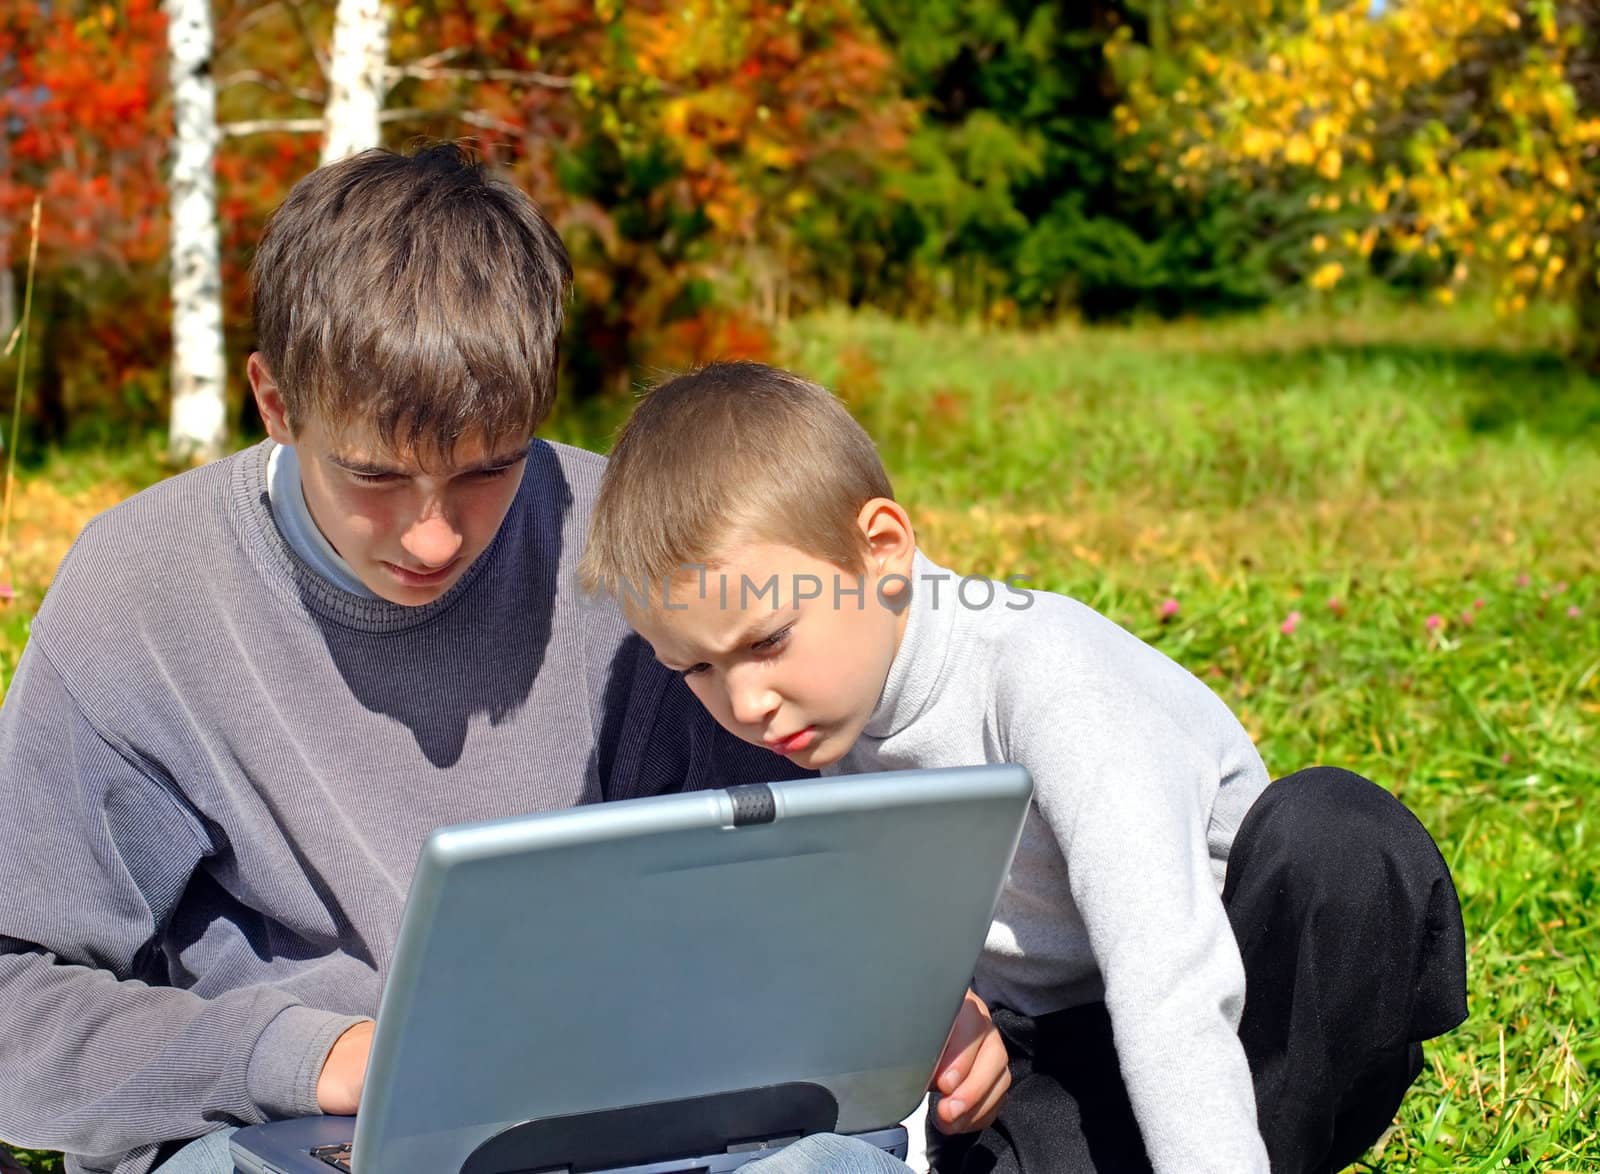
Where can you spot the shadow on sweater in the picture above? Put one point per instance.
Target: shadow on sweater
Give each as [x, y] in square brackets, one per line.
[484, 641]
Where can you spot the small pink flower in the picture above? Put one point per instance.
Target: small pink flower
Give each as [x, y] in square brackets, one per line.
[1523, 580]
[1336, 606]
[1558, 588]
[1506, 757]
[1290, 623]
[1168, 608]
[1434, 623]
[6, 593]
[1477, 604]
[1467, 617]
[1573, 612]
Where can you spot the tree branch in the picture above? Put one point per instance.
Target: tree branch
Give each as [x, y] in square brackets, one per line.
[471, 117]
[489, 122]
[434, 60]
[532, 77]
[402, 113]
[245, 77]
[267, 126]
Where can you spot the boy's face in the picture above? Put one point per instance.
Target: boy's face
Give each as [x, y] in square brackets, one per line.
[779, 646]
[408, 527]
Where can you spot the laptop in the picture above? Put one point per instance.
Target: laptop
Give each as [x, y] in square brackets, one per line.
[677, 983]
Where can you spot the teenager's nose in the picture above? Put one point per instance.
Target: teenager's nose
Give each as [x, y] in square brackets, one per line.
[432, 540]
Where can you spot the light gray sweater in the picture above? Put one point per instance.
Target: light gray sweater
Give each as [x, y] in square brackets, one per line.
[217, 768]
[1141, 778]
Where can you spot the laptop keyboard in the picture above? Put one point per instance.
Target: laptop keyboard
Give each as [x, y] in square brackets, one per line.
[337, 1156]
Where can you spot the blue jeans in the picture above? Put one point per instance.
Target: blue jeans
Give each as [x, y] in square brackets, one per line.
[203, 1155]
[828, 1152]
[821, 1152]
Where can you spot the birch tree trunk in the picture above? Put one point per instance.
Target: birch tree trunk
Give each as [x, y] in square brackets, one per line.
[198, 428]
[356, 78]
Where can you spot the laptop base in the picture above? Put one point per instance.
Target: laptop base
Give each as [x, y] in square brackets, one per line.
[284, 1147]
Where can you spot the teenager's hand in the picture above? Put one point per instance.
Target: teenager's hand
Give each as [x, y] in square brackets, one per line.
[345, 1071]
[974, 1074]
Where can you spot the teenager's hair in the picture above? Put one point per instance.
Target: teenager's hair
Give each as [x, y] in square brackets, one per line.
[421, 294]
[730, 452]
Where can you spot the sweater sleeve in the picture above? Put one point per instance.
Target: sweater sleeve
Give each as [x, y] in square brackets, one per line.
[99, 1056]
[1125, 801]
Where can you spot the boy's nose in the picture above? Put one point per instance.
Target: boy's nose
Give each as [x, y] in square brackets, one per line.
[432, 540]
[751, 704]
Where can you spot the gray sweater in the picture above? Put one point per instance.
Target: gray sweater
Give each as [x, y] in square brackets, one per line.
[1141, 777]
[216, 770]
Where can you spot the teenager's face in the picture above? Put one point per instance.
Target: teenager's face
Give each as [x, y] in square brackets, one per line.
[797, 669]
[408, 527]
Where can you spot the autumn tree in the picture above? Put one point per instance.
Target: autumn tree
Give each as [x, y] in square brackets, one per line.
[1012, 199]
[81, 107]
[676, 146]
[690, 153]
[1456, 137]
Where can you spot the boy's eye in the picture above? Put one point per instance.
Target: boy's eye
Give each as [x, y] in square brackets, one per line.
[773, 641]
[694, 670]
[491, 474]
[370, 478]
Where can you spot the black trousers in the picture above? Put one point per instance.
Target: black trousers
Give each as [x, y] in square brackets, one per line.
[1354, 953]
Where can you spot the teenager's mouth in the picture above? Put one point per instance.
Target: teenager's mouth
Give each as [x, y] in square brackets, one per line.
[410, 578]
[794, 743]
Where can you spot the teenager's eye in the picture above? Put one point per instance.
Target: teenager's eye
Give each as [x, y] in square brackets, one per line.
[773, 642]
[491, 474]
[693, 670]
[371, 478]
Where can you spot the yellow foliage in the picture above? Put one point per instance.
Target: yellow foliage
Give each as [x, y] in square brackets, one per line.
[1327, 276]
[1368, 111]
[1298, 150]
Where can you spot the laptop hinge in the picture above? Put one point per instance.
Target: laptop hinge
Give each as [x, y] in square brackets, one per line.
[753, 803]
[661, 1131]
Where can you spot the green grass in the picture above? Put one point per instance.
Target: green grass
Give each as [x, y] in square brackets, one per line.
[1366, 472]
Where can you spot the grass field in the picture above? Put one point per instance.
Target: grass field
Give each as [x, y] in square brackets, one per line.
[1377, 536]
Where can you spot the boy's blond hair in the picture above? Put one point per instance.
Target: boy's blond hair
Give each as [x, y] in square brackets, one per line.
[732, 452]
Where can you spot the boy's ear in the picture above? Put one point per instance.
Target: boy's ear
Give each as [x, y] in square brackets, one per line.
[269, 400]
[891, 542]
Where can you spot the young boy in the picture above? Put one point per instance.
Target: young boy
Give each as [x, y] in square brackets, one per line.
[1194, 970]
[255, 688]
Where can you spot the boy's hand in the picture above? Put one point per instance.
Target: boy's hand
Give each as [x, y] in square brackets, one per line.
[974, 1074]
[345, 1071]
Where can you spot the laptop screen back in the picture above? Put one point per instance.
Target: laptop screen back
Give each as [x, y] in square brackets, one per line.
[658, 949]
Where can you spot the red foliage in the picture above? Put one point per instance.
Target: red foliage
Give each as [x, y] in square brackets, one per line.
[82, 85]
[669, 142]
[715, 333]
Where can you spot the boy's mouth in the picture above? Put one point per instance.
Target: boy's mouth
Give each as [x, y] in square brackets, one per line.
[792, 743]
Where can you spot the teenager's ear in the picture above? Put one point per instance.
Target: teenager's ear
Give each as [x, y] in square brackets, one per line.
[891, 542]
[269, 400]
